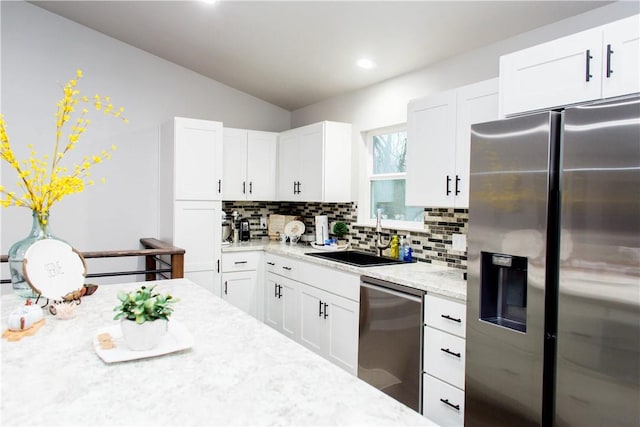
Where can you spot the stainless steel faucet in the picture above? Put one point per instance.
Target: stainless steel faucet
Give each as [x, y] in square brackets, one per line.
[379, 243]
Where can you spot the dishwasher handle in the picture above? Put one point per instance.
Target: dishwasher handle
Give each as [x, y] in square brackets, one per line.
[391, 291]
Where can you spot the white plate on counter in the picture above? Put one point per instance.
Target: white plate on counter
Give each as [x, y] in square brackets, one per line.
[330, 248]
[177, 338]
[294, 228]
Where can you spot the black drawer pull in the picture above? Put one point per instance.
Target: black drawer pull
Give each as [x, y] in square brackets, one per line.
[446, 350]
[240, 262]
[271, 263]
[287, 268]
[453, 319]
[446, 402]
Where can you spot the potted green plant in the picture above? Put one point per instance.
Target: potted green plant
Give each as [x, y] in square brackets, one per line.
[340, 229]
[144, 315]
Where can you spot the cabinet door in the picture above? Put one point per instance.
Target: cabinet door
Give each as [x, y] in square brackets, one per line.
[475, 103]
[431, 138]
[311, 159]
[288, 165]
[342, 317]
[313, 332]
[198, 159]
[261, 165]
[621, 60]
[197, 231]
[239, 288]
[560, 72]
[234, 185]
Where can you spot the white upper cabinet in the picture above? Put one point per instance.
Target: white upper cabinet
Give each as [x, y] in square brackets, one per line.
[431, 150]
[621, 58]
[196, 153]
[249, 165]
[598, 63]
[314, 163]
[438, 136]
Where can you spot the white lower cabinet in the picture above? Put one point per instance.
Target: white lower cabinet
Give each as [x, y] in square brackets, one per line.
[315, 305]
[441, 402]
[281, 304]
[329, 326]
[443, 361]
[241, 273]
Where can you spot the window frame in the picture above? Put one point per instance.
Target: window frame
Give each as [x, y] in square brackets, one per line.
[364, 199]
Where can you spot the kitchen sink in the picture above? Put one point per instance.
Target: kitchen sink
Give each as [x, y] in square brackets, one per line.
[357, 258]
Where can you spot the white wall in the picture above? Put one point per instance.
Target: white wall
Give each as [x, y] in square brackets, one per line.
[385, 104]
[40, 52]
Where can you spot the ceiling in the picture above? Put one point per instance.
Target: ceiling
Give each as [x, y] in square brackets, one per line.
[296, 53]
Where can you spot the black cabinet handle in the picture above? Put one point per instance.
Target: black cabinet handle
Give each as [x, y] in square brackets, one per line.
[609, 53]
[446, 402]
[588, 65]
[319, 308]
[240, 262]
[286, 268]
[218, 262]
[225, 287]
[244, 187]
[448, 182]
[279, 291]
[457, 185]
[219, 186]
[250, 187]
[326, 313]
[446, 316]
[270, 263]
[446, 350]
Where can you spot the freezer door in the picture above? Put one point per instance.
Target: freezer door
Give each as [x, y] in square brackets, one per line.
[507, 242]
[598, 366]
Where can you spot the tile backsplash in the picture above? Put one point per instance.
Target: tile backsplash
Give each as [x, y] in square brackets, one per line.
[433, 245]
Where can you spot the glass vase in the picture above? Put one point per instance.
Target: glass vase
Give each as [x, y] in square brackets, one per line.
[40, 229]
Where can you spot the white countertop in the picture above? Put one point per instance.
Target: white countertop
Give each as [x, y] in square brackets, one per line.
[238, 372]
[441, 280]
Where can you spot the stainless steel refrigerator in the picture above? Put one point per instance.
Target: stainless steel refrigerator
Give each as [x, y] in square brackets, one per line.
[553, 294]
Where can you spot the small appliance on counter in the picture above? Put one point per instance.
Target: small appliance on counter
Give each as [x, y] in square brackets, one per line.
[245, 233]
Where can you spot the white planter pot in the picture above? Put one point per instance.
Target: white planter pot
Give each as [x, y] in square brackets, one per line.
[145, 336]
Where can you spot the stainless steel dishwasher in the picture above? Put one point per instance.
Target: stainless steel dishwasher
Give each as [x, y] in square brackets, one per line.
[390, 340]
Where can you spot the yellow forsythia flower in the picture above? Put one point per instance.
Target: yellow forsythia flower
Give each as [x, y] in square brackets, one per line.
[42, 183]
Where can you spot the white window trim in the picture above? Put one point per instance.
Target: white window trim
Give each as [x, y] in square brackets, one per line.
[364, 198]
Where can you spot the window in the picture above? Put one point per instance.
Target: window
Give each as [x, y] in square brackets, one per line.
[387, 151]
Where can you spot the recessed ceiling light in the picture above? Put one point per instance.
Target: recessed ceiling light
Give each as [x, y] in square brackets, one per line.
[365, 63]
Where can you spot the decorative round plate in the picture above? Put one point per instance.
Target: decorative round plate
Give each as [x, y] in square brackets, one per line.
[294, 228]
[53, 268]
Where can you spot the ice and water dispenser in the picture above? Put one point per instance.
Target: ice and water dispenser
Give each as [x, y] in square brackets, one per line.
[503, 290]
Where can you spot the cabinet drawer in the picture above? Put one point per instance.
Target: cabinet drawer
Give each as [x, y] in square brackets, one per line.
[442, 403]
[446, 315]
[444, 356]
[240, 261]
[338, 282]
[282, 266]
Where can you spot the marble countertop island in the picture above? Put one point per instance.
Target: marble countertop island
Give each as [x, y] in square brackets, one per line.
[238, 372]
[441, 280]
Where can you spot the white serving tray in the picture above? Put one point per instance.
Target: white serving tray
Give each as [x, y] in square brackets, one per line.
[330, 248]
[177, 338]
